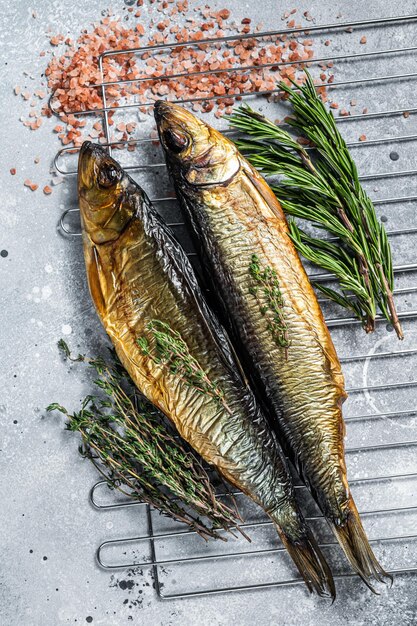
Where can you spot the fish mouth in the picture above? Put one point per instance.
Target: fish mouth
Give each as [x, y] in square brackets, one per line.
[90, 157]
[170, 114]
[90, 151]
[164, 110]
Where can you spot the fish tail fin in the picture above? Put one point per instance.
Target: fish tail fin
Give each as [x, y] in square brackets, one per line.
[354, 542]
[310, 562]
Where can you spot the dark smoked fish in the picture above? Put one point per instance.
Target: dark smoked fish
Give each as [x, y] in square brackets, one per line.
[148, 300]
[270, 309]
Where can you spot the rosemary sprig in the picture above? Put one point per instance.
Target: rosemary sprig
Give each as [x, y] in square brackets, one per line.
[268, 294]
[131, 445]
[168, 348]
[321, 185]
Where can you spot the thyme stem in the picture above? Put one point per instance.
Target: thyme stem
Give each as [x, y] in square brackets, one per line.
[271, 301]
[132, 446]
[169, 349]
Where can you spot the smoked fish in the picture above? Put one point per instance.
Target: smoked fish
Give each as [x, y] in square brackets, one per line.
[268, 306]
[149, 302]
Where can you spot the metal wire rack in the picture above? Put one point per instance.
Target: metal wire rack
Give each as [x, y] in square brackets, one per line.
[167, 547]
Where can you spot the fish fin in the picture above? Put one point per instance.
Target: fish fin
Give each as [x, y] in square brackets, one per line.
[354, 542]
[264, 190]
[182, 275]
[93, 277]
[310, 562]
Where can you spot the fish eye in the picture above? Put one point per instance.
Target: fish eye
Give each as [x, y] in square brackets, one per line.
[108, 175]
[175, 140]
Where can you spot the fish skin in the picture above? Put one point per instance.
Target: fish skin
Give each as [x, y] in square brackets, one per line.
[234, 215]
[137, 273]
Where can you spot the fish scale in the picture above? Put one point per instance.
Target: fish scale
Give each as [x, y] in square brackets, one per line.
[304, 397]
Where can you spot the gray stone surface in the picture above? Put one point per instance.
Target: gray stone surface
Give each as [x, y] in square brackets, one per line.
[49, 532]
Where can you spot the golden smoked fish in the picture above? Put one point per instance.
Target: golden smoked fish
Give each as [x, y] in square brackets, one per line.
[148, 300]
[267, 304]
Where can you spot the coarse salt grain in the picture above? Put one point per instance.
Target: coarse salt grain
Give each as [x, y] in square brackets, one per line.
[32, 186]
[73, 71]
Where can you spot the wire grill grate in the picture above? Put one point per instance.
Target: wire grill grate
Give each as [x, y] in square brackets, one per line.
[164, 545]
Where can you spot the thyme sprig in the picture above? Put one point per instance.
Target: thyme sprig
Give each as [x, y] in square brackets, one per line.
[168, 348]
[268, 294]
[135, 450]
[321, 185]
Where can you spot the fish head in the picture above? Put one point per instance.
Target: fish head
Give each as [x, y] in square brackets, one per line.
[194, 151]
[105, 194]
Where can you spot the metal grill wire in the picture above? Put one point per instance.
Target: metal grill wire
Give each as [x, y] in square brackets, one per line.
[183, 554]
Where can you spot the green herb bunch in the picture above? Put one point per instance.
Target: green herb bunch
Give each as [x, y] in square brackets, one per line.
[168, 348]
[321, 185]
[269, 296]
[135, 450]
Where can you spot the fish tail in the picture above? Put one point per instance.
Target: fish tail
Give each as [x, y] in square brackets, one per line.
[310, 562]
[352, 538]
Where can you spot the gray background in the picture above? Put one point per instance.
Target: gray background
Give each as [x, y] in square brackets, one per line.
[48, 530]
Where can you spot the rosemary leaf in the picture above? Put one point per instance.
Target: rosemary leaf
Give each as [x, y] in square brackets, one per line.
[321, 185]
